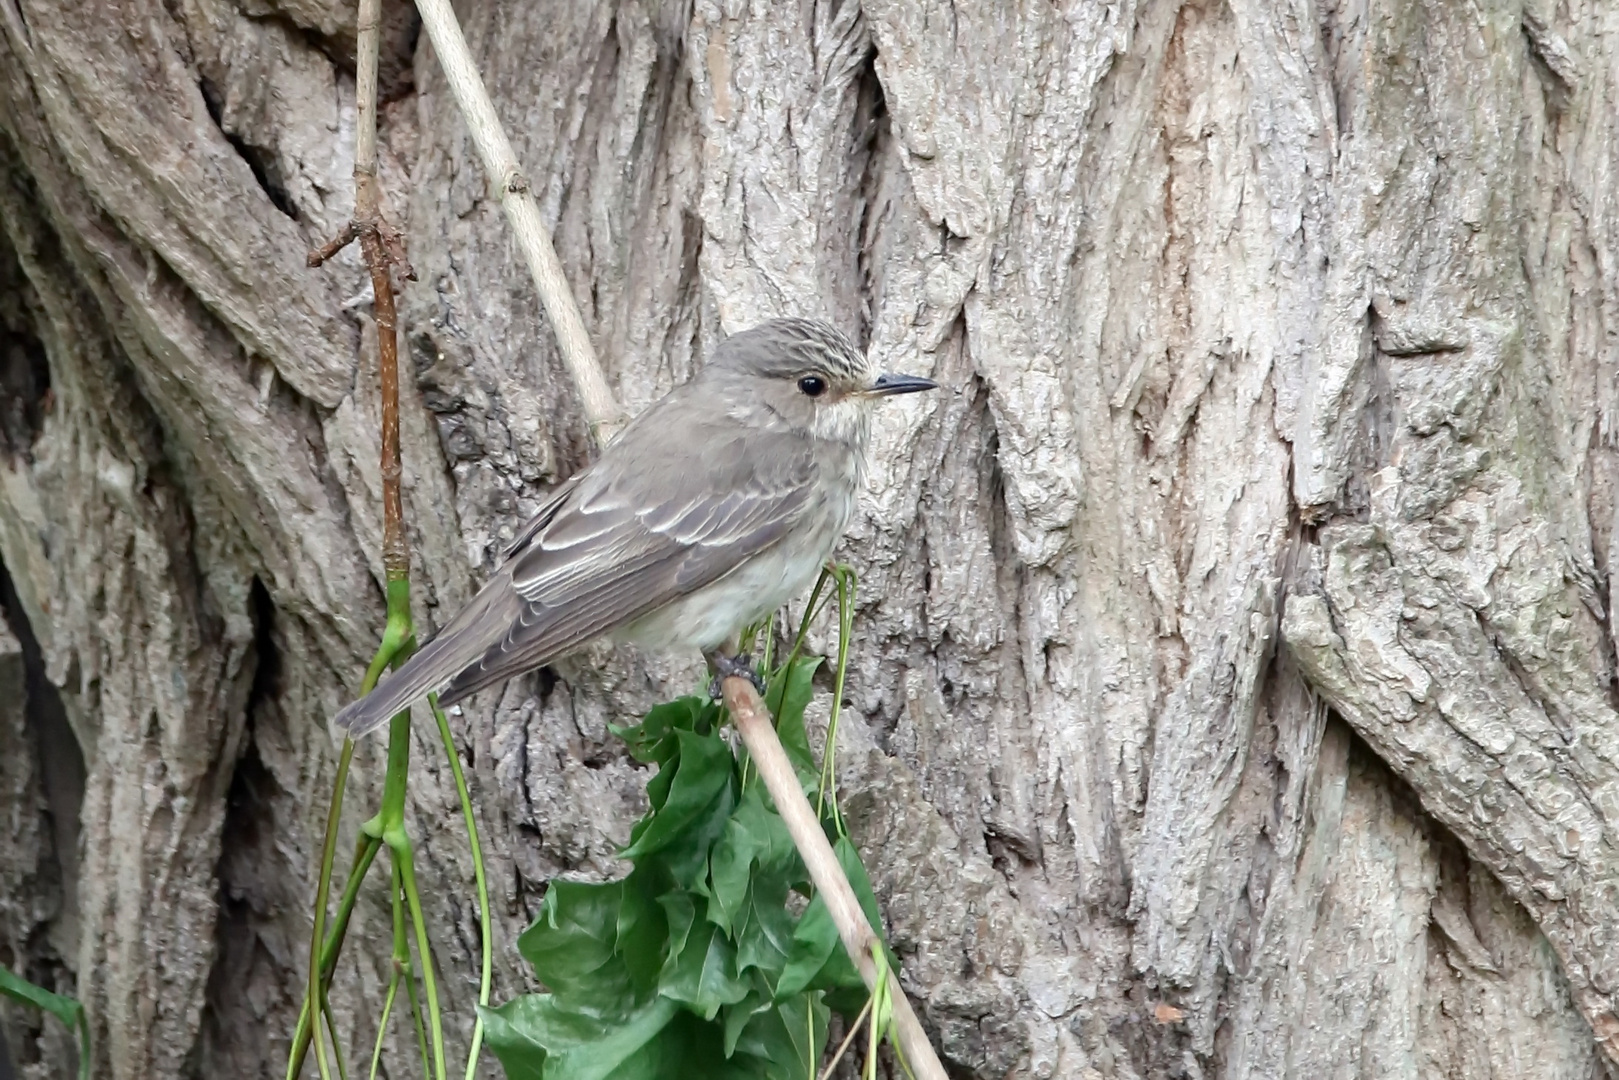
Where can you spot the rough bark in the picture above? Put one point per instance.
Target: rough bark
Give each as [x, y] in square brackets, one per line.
[1233, 692]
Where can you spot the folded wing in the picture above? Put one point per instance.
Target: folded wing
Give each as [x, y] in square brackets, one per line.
[621, 550]
[644, 526]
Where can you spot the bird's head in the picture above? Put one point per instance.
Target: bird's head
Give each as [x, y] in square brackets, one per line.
[803, 375]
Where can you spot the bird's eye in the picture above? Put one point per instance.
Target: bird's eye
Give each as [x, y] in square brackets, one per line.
[812, 385]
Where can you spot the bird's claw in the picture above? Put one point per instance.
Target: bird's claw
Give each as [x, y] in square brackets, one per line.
[727, 666]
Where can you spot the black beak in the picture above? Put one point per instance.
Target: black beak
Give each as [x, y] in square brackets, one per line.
[901, 384]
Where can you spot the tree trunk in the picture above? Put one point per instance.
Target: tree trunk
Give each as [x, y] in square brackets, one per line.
[1233, 685]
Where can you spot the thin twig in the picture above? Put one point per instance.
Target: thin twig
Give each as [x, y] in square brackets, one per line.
[367, 222]
[381, 248]
[511, 186]
[395, 548]
[753, 723]
[854, 1029]
[345, 236]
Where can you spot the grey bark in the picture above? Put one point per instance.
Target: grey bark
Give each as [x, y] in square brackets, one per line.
[1233, 685]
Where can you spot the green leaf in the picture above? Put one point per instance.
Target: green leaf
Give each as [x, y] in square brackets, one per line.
[68, 1010]
[855, 870]
[681, 911]
[642, 930]
[754, 835]
[692, 965]
[788, 695]
[684, 861]
[701, 970]
[692, 1048]
[737, 1016]
[763, 930]
[704, 769]
[573, 946]
[536, 1038]
[652, 740]
[788, 1040]
[816, 960]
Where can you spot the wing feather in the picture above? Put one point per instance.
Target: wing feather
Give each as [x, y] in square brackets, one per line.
[620, 548]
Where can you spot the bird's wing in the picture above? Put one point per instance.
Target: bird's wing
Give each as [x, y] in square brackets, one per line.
[627, 541]
[542, 517]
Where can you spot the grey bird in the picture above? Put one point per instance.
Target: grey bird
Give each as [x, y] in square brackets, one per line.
[712, 509]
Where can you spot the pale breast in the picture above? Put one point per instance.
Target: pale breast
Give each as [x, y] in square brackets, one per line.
[710, 617]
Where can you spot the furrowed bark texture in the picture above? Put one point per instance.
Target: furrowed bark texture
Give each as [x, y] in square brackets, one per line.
[1233, 685]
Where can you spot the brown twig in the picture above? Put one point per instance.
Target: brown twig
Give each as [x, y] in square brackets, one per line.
[345, 236]
[383, 250]
[395, 548]
[848, 1037]
[753, 724]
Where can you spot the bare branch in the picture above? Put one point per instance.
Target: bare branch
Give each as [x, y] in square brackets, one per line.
[512, 188]
[753, 723]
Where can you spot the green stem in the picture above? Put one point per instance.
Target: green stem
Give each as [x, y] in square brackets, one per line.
[810, 611]
[845, 578]
[382, 1024]
[403, 965]
[396, 638]
[397, 778]
[768, 652]
[331, 1029]
[416, 1022]
[399, 844]
[323, 889]
[365, 853]
[484, 929]
[401, 959]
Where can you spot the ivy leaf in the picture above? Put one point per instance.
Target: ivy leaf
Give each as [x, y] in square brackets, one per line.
[642, 930]
[681, 911]
[849, 858]
[536, 1038]
[763, 930]
[703, 770]
[701, 970]
[817, 960]
[573, 945]
[754, 835]
[788, 695]
[693, 1048]
[692, 965]
[652, 740]
[684, 862]
[737, 1016]
[787, 1040]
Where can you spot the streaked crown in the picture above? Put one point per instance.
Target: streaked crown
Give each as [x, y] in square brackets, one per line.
[785, 348]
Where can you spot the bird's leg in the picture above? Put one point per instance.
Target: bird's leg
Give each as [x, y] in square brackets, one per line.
[724, 666]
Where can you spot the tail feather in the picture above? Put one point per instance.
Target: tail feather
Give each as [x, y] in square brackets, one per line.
[483, 623]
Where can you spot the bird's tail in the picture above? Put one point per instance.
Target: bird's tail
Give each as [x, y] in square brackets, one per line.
[480, 625]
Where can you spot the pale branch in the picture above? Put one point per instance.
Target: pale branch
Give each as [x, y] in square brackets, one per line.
[367, 21]
[753, 724]
[511, 186]
[603, 414]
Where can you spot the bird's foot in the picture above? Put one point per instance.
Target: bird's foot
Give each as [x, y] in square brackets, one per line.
[727, 666]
